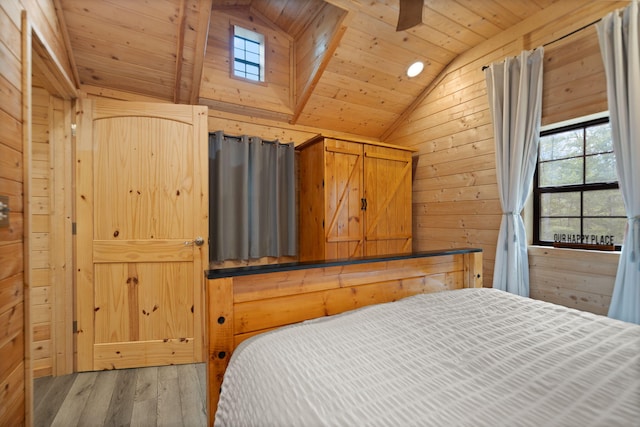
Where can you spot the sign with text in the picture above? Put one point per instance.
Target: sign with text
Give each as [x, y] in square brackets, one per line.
[585, 239]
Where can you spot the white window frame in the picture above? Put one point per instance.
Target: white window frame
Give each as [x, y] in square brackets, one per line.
[238, 31]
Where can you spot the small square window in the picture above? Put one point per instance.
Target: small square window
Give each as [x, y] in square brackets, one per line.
[248, 54]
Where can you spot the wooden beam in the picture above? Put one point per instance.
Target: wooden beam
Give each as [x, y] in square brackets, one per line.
[41, 71]
[67, 43]
[27, 325]
[216, 115]
[182, 17]
[51, 66]
[220, 325]
[118, 94]
[328, 55]
[473, 270]
[202, 33]
[245, 110]
[60, 117]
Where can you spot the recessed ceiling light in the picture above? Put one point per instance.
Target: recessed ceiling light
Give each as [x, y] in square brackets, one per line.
[415, 69]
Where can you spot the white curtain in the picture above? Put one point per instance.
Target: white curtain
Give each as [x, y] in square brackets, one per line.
[620, 45]
[252, 203]
[514, 87]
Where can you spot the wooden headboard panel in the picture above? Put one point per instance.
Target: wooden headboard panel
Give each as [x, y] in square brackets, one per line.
[246, 303]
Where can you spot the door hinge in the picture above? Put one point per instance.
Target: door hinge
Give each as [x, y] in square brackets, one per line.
[75, 326]
[323, 183]
[73, 228]
[323, 223]
[73, 129]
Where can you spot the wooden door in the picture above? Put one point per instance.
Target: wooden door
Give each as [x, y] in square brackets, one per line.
[387, 184]
[141, 202]
[343, 199]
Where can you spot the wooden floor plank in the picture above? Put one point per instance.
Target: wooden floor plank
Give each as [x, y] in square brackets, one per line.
[53, 399]
[71, 409]
[201, 369]
[159, 396]
[169, 412]
[145, 400]
[193, 403]
[95, 411]
[40, 388]
[121, 405]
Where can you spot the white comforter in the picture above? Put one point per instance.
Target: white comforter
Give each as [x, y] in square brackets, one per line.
[471, 357]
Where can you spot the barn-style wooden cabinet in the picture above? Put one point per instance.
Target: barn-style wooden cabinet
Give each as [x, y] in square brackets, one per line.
[355, 199]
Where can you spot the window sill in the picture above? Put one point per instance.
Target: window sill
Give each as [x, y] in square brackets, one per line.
[543, 250]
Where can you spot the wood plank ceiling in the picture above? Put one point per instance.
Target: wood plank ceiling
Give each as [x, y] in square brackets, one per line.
[358, 84]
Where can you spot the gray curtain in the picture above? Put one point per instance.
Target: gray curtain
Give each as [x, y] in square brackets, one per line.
[619, 37]
[252, 204]
[514, 88]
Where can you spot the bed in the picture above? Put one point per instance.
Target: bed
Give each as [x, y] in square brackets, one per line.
[463, 356]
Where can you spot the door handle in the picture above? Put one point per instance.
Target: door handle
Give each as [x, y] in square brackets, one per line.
[198, 241]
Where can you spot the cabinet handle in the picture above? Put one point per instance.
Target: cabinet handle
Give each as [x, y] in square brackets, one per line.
[364, 204]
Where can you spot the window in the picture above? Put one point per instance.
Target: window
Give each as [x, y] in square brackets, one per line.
[577, 202]
[248, 54]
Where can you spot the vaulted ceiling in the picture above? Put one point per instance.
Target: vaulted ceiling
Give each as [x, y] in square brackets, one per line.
[356, 82]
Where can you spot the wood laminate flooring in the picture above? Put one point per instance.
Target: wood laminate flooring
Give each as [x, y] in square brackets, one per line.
[159, 396]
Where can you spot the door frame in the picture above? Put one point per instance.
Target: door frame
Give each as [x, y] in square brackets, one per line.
[35, 49]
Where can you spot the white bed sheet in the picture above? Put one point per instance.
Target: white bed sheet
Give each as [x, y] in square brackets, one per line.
[470, 357]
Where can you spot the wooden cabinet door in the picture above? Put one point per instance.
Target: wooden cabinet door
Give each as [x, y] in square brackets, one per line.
[141, 202]
[343, 199]
[387, 184]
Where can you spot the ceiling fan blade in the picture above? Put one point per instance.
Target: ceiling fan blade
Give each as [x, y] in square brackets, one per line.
[410, 14]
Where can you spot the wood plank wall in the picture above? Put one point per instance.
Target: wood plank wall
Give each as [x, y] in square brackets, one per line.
[455, 189]
[41, 290]
[13, 364]
[455, 196]
[51, 291]
[574, 83]
[573, 278]
[274, 99]
[12, 334]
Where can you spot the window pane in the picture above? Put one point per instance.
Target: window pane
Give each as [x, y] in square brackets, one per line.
[239, 69]
[559, 229]
[604, 203]
[599, 139]
[252, 69]
[601, 168]
[238, 54]
[252, 57]
[561, 145]
[560, 204]
[561, 172]
[603, 231]
[253, 47]
[238, 43]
